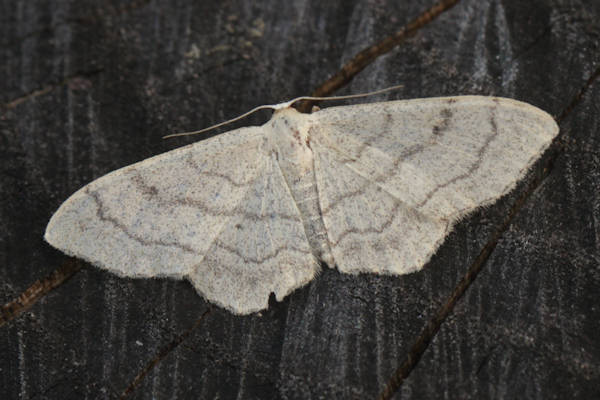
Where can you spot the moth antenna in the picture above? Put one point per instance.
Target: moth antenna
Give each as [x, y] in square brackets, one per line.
[281, 106]
[345, 97]
[244, 115]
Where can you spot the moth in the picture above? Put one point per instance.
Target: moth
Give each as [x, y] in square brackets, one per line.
[364, 188]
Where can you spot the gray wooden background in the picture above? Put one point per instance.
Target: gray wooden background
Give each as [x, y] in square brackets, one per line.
[90, 86]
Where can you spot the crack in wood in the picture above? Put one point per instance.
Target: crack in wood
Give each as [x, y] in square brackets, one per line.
[50, 87]
[577, 99]
[39, 289]
[433, 326]
[162, 354]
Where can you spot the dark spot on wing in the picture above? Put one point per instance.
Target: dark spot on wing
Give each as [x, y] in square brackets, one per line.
[439, 129]
[296, 135]
[147, 190]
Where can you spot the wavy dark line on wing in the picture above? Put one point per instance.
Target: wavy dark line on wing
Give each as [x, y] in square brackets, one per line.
[437, 131]
[100, 213]
[190, 161]
[381, 178]
[386, 224]
[507, 188]
[367, 143]
[260, 260]
[143, 187]
[473, 166]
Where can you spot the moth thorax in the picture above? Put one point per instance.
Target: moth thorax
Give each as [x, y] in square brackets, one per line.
[292, 139]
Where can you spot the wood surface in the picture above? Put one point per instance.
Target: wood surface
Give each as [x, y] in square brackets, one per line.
[507, 308]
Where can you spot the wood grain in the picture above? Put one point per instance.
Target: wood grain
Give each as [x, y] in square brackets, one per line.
[93, 86]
